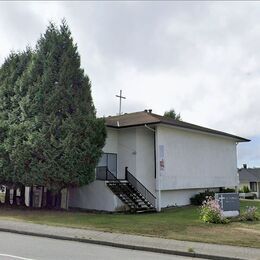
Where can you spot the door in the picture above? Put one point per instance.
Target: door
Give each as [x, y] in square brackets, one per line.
[109, 160]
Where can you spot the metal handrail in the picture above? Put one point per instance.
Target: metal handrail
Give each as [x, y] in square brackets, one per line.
[140, 187]
[103, 174]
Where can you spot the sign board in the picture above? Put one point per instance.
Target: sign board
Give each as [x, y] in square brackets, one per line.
[161, 158]
[229, 203]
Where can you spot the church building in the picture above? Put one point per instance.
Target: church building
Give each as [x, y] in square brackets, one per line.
[151, 162]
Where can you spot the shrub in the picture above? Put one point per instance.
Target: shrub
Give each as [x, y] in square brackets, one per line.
[250, 214]
[245, 189]
[211, 212]
[202, 196]
[227, 190]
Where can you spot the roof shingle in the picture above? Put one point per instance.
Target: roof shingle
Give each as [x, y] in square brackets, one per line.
[147, 118]
[249, 174]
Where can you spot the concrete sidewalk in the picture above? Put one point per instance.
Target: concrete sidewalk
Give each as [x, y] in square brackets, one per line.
[169, 246]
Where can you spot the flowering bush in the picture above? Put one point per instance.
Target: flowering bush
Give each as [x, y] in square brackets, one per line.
[250, 214]
[200, 197]
[211, 212]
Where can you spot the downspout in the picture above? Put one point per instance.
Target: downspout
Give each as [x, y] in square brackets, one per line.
[154, 150]
[238, 181]
[156, 176]
[148, 127]
[154, 147]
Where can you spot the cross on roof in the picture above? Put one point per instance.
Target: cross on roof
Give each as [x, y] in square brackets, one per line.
[120, 101]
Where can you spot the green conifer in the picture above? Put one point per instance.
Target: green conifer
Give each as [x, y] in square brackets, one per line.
[54, 138]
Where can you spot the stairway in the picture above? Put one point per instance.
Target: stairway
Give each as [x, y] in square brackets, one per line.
[130, 196]
[130, 191]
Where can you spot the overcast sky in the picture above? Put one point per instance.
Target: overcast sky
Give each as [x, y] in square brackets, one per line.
[200, 58]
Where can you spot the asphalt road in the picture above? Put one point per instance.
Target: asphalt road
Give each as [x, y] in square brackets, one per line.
[15, 246]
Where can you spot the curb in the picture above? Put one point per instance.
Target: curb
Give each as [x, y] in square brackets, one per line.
[125, 246]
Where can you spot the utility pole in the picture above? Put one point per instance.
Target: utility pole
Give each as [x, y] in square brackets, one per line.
[120, 101]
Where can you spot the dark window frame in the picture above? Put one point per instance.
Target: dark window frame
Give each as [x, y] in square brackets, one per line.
[253, 186]
[107, 160]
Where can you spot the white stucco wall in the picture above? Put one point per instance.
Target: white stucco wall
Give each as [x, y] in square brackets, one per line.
[95, 196]
[195, 160]
[177, 197]
[111, 145]
[126, 151]
[145, 171]
[136, 151]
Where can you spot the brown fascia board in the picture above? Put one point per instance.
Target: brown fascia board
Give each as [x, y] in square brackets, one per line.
[179, 124]
[190, 126]
[134, 125]
[204, 130]
[210, 131]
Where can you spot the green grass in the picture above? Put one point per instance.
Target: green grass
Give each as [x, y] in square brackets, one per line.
[177, 223]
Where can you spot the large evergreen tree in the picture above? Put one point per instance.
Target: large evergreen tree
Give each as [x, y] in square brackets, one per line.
[10, 74]
[55, 139]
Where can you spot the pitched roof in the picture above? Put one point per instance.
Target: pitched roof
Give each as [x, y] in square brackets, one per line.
[249, 174]
[147, 118]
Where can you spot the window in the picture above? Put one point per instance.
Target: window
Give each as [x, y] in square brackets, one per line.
[110, 161]
[253, 186]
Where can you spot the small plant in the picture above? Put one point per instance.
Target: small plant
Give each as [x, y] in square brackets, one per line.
[191, 250]
[227, 190]
[200, 197]
[211, 212]
[245, 189]
[249, 214]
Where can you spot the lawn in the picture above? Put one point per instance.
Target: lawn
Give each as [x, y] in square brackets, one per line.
[177, 223]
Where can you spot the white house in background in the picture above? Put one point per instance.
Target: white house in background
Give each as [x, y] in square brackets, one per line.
[168, 162]
[250, 177]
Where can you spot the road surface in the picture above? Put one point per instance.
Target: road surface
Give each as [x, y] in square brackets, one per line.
[21, 247]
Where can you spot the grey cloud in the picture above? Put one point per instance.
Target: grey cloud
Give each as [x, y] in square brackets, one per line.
[134, 33]
[201, 58]
[160, 35]
[19, 27]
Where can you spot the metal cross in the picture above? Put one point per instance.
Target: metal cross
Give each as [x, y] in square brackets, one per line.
[120, 101]
[221, 199]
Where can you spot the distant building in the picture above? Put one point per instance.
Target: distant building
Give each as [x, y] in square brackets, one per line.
[152, 162]
[250, 177]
